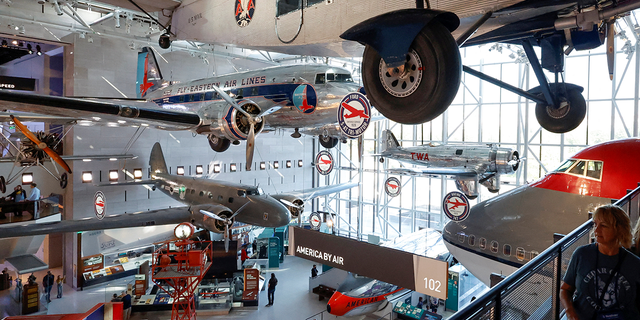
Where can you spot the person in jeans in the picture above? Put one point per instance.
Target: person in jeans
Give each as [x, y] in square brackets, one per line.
[273, 282]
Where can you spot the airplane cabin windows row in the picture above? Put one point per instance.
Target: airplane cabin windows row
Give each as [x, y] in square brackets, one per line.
[589, 168]
[506, 249]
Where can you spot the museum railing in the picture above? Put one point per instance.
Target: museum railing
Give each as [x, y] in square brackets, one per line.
[30, 210]
[533, 291]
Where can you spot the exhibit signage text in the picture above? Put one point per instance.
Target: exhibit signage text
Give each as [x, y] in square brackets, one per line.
[320, 255]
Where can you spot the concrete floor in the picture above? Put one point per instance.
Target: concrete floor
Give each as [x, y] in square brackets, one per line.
[292, 298]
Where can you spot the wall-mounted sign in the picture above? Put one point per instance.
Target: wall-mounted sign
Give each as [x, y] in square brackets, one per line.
[15, 83]
[100, 204]
[456, 206]
[392, 187]
[315, 221]
[324, 162]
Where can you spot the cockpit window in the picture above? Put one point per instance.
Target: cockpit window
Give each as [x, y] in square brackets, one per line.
[255, 191]
[320, 78]
[594, 169]
[372, 289]
[566, 165]
[339, 77]
[578, 168]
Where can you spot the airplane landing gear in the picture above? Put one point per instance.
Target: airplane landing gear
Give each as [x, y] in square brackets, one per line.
[218, 144]
[64, 180]
[328, 142]
[422, 88]
[567, 115]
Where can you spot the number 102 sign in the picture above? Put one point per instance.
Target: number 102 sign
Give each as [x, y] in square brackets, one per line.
[430, 276]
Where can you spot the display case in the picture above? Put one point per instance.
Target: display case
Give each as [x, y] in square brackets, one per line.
[100, 268]
[214, 295]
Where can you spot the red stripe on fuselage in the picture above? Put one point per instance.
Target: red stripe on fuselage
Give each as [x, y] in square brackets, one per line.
[619, 171]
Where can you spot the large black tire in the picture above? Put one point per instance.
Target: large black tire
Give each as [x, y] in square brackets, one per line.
[429, 84]
[328, 142]
[218, 144]
[566, 118]
[164, 41]
[64, 180]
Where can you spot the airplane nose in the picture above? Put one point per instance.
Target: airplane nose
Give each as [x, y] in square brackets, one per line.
[270, 211]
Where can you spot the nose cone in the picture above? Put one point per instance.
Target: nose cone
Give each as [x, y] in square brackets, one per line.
[265, 211]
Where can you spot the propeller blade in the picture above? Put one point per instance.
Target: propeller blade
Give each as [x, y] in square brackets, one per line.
[226, 238]
[232, 102]
[54, 156]
[212, 215]
[269, 111]
[611, 52]
[251, 139]
[289, 203]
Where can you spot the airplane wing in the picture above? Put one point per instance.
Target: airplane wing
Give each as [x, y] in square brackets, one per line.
[137, 219]
[113, 112]
[320, 191]
[34, 117]
[427, 171]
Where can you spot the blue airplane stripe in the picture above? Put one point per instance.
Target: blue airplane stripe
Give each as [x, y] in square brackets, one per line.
[281, 92]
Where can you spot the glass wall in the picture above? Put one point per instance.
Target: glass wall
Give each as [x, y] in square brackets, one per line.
[483, 113]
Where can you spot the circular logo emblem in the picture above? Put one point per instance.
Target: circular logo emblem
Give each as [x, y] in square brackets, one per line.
[354, 114]
[324, 162]
[305, 98]
[99, 204]
[392, 187]
[315, 221]
[456, 206]
[244, 11]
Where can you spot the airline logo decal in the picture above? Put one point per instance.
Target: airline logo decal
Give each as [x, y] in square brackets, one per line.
[99, 204]
[456, 206]
[244, 11]
[392, 187]
[315, 221]
[324, 162]
[420, 156]
[305, 98]
[354, 114]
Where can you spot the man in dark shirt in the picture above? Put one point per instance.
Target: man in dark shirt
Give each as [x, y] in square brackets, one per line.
[126, 306]
[272, 288]
[314, 271]
[47, 283]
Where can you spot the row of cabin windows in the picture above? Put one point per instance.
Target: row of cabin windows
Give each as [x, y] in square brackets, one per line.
[495, 246]
[287, 6]
[210, 195]
[590, 169]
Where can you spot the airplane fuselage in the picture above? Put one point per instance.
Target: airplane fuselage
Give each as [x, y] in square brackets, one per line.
[306, 97]
[477, 158]
[503, 233]
[257, 207]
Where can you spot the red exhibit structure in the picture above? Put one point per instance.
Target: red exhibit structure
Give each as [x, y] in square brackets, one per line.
[181, 265]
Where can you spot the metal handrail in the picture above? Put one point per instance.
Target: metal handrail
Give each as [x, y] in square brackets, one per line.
[492, 299]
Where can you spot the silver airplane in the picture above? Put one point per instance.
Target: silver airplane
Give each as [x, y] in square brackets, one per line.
[228, 109]
[503, 233]
[210, 204]
[470, 165]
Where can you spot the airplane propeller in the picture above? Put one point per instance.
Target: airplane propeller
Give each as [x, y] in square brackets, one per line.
[227, 223]
[41, 145]
[252, 119]
[611, 52]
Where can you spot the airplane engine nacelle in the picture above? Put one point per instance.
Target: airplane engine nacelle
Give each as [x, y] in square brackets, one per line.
[298, 204]
[506, 160]
[234, 125]
[203, 221]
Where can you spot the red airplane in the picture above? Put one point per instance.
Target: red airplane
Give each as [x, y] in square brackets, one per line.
[325, 161]
[503, 233]
[456, 204]
[305, 106]
[392, 185]
[354, 112]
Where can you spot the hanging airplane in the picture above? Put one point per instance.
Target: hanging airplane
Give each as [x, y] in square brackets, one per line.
[312, 99]
[210, 204]
[503, 233]
[469, 165]
[411, 65]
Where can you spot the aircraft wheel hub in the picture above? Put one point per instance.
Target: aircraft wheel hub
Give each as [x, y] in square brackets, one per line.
[404, 80]
[560, 112]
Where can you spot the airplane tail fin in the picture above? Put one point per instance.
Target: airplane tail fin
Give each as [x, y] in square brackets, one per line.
[156, 160]
[389, 141]
[149, 77]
